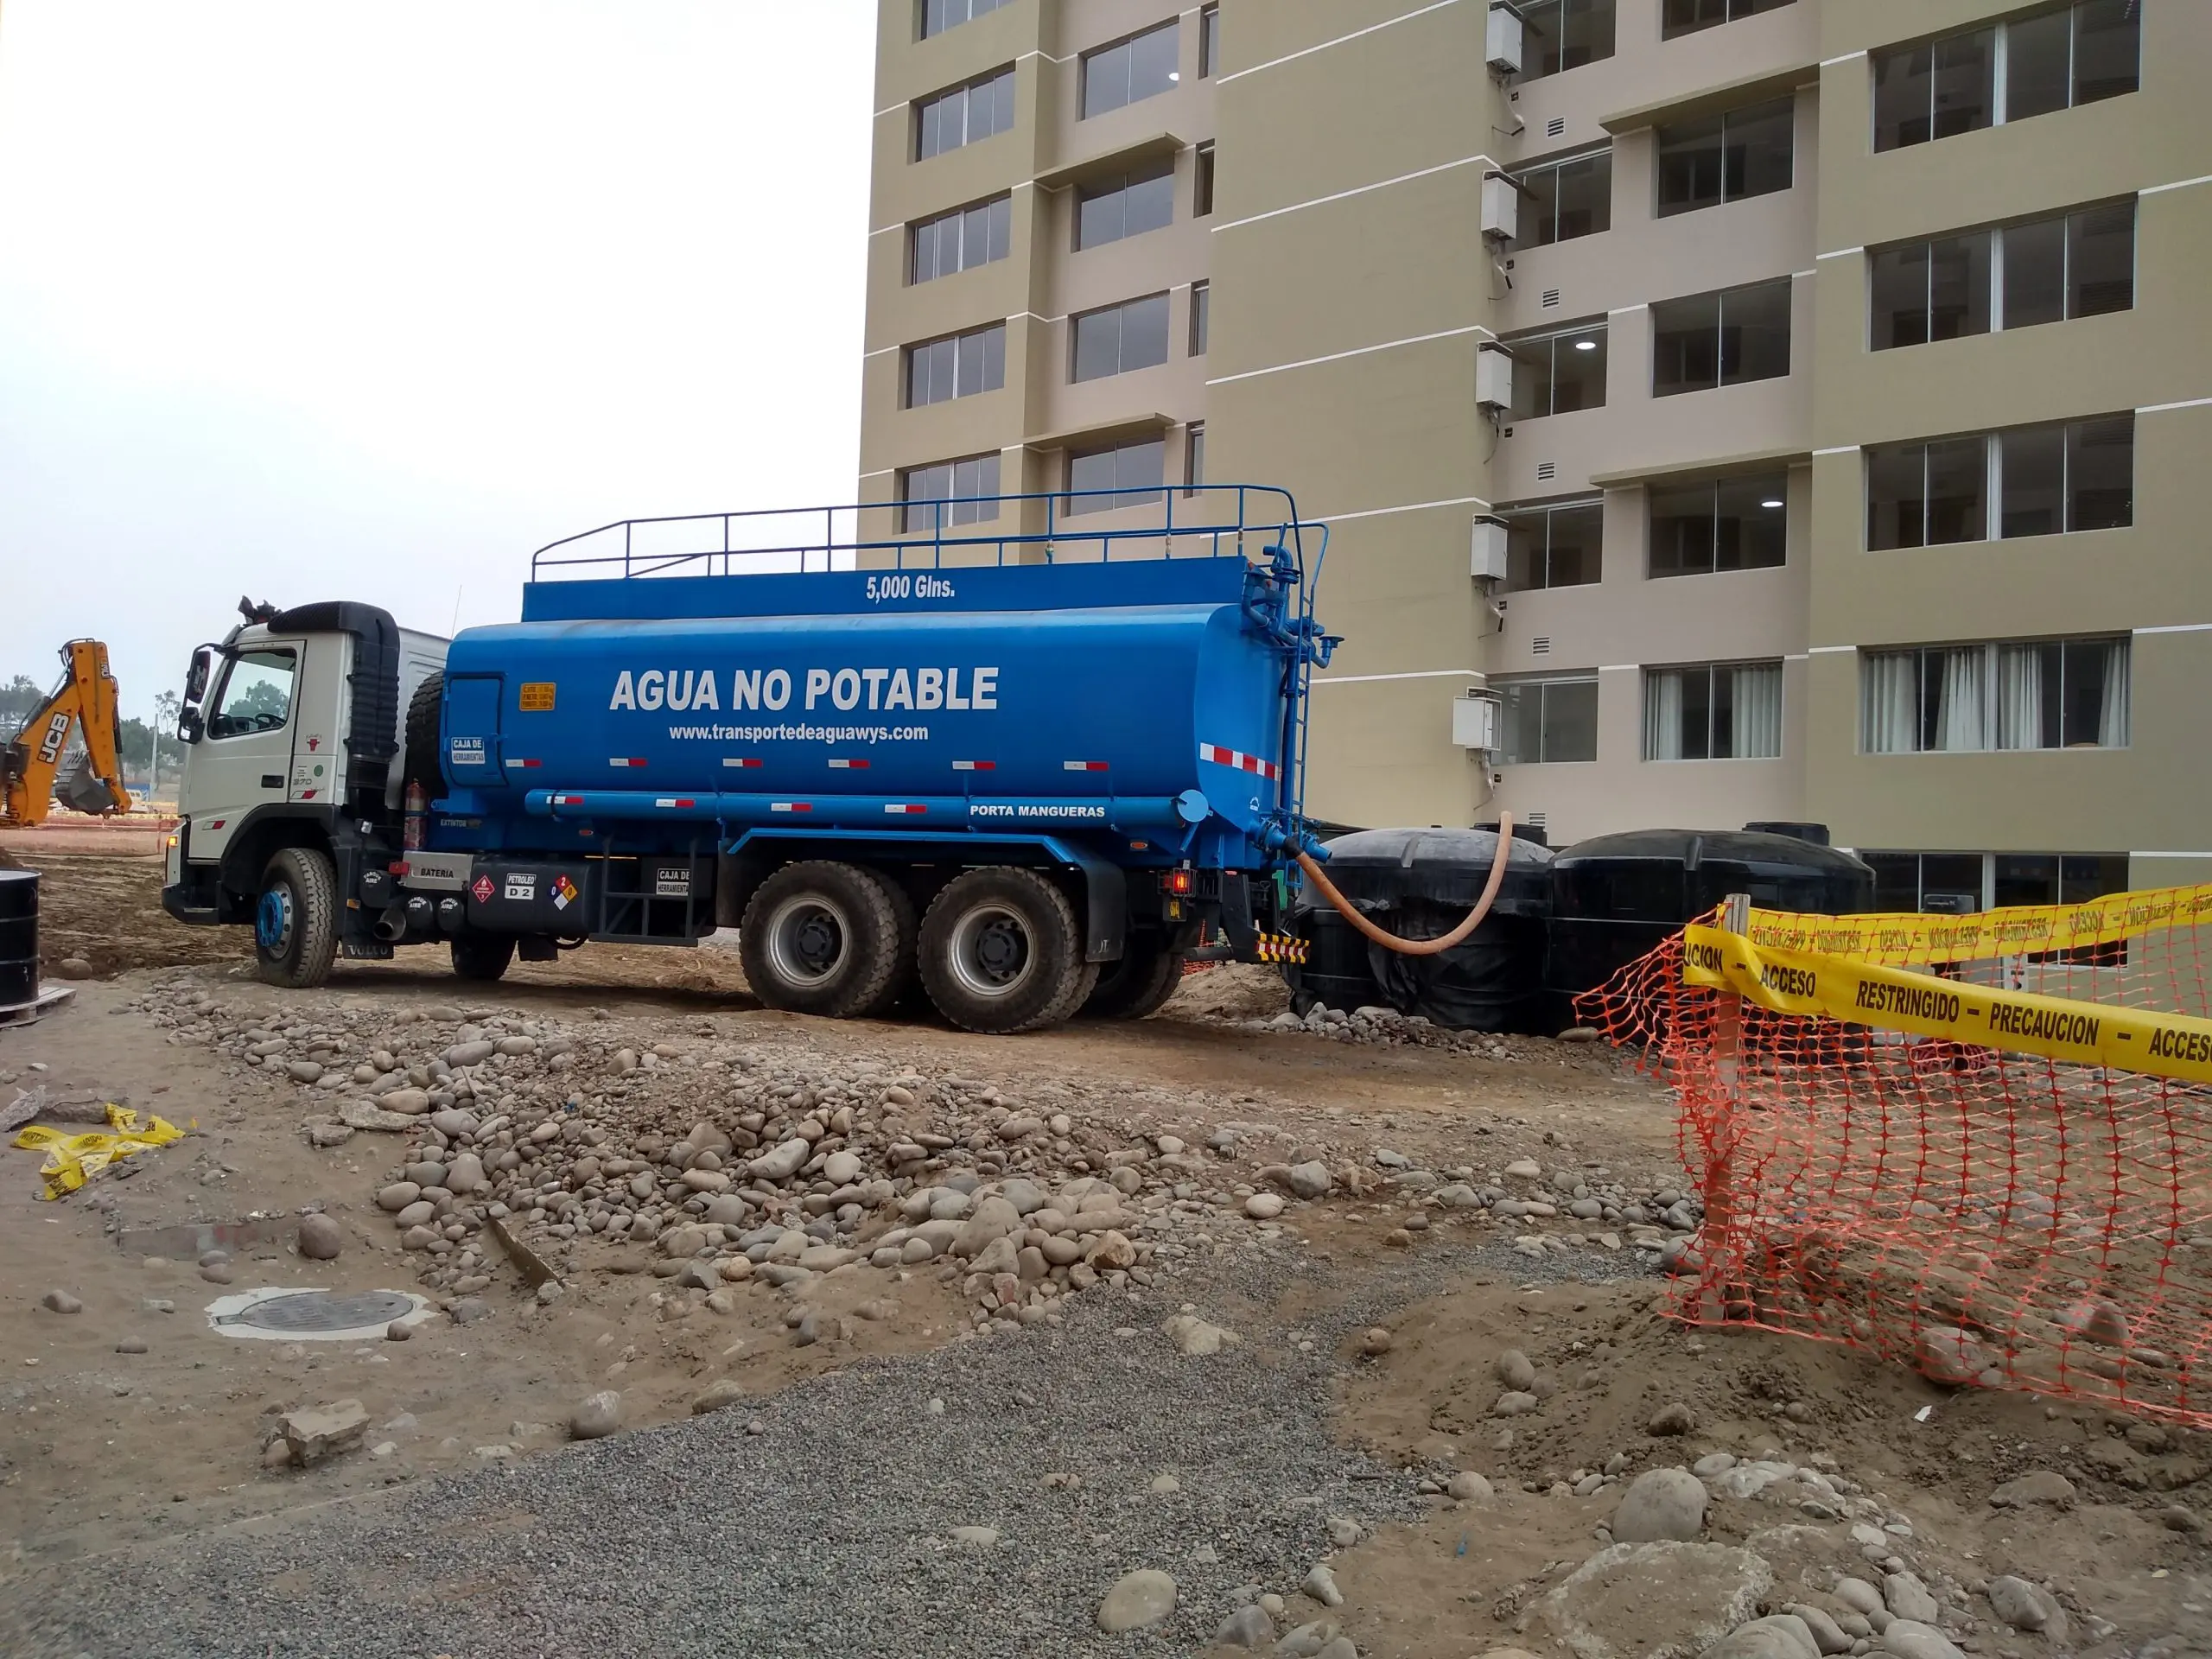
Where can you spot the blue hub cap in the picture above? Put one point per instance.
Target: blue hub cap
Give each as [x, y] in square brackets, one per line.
[272, 922]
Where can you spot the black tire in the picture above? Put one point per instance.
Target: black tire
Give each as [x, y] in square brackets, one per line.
[1139, 983]
[421, 758]
[825, 939]
[295, 923]
[1000, 952]
[482, 956]
[906, 936]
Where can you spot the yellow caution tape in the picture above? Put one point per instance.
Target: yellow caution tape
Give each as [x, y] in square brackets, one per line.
[72, 1159]
[2018, 930]
[1890, 998]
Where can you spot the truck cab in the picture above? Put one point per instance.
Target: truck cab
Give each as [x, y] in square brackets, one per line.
[292, 785]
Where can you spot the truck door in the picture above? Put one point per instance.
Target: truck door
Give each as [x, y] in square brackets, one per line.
[244, 755]
[471, 731]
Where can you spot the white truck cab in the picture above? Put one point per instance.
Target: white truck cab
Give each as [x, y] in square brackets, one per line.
[294, 729]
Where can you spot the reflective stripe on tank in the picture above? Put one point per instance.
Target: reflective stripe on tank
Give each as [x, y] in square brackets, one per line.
[1082, 765]
[1251, 763]
[790, 806]
[619, 761]
[568, 800]
[732, 761]
[898, 807]
[847, 766]
[525, 763]
[667, 800]
[974, 765]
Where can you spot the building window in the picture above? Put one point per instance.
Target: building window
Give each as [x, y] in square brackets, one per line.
[1734, 524]
[1959, 883]
[2009, 72]
[1194, 458]
[1554, 546]
[1201, 310]
[1688, 16]
[960, 240]
[1721, 158]
[1202, 181]
[1548, 720]
[1561, 201]
[966, 115]
[959, 365]
[2033, 694]
[1130, 71]
[1128, 204]
[1559, 374]
[1561, 35]
[1120, 338]
[1209, 40]
[2083, 265]
[2078, 264]
[937, 15]
[1712, 711]
[951, 493]
[1125, 475]
[2045, 480]
[1720, 340]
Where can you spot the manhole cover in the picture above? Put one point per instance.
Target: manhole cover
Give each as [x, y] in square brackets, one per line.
[314, 1313]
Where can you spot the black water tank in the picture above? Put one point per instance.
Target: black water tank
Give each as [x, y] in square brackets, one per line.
[1419, 883]
[1614, 897]
[18, 938]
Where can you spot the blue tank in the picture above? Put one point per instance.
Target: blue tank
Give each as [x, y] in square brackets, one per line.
[1146, 709]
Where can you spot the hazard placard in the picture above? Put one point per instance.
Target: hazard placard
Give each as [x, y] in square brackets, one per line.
[536, 697]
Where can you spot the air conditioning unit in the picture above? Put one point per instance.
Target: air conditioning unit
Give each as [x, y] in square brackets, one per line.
[1474, 721]
[1489, 562]
[1501, 208]
[1493, 377]
[1505, 40]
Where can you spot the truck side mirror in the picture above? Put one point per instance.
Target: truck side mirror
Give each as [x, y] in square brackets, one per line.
[196, 677]
[188, 726]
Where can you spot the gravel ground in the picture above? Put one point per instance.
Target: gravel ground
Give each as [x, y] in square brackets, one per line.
[830, 1531]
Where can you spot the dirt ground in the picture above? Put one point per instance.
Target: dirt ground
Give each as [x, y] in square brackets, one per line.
[133, 1420]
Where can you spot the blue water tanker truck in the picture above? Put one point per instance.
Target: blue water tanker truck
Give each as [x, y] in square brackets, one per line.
[1027, 766]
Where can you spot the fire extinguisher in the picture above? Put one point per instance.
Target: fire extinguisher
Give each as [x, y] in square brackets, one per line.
[416, 808]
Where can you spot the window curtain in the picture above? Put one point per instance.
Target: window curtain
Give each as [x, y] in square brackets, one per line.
[2112, 715]
[2019, 697]
[1758, 698]
[1662, 717]
[1962, 716]
[1888, 703]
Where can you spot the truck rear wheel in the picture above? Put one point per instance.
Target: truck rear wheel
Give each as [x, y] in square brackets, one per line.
[1000, 952]
[482, 955]
[296, 922]
[826, 938]
[1146, 976]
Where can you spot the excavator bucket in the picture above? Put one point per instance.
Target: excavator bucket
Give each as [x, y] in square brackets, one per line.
[82, 791]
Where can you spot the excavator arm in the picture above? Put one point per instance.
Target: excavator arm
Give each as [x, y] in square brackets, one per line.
[86, 699]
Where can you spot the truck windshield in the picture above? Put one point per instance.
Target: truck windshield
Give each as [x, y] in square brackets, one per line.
[256, 695]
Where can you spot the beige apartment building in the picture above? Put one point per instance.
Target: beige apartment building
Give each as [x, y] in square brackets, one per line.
[1722, 410]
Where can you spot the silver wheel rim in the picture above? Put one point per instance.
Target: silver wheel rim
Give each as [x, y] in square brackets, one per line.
[993, 953]
[808, 939]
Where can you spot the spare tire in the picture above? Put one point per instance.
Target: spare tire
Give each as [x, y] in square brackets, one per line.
[421, 754]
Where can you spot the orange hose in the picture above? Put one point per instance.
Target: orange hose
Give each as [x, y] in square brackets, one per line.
[1327, 889]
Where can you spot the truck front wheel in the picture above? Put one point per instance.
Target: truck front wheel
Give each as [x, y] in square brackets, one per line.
[826, 938]
[295, 921]
[482, 955]
[1000, 952]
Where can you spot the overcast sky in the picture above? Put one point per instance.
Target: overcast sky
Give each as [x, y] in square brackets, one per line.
[367, 299]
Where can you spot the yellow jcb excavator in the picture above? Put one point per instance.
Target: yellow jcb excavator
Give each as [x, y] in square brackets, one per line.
[31, 759]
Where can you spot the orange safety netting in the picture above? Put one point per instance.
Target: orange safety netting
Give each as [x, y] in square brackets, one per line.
[1982, 1214]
